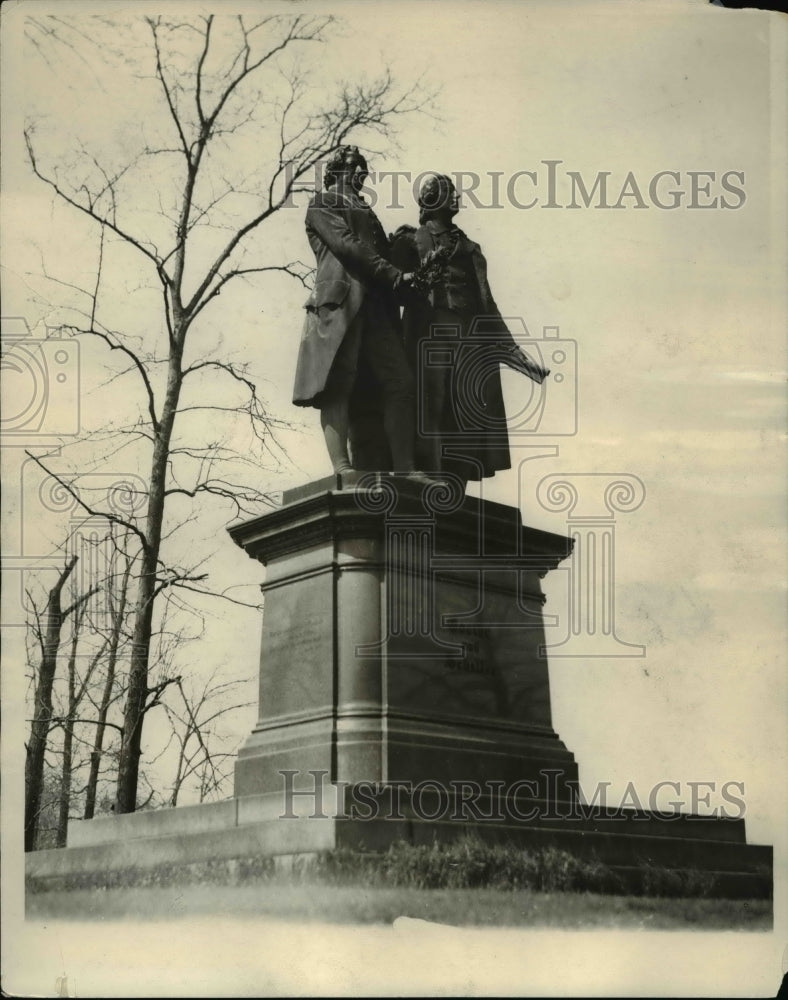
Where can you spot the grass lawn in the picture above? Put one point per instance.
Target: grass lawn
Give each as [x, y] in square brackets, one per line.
[382, 905]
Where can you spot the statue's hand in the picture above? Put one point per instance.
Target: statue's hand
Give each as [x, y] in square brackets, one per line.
[431, 270]
[404, 230]
[516, 358]
[406, 287]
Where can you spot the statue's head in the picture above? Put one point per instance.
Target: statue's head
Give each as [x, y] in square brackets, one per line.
[346, 162]
[437, 195]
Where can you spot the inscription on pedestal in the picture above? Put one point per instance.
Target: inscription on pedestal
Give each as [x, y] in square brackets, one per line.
[477, 648]
[489, 668]
[296, 672]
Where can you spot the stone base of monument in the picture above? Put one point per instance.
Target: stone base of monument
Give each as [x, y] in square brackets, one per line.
[710, 852]
[404, 695]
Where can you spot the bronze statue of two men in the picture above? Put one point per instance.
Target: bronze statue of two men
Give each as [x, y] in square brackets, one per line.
[417, 393]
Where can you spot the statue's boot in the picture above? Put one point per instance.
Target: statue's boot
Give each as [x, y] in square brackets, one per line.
[399, 420]
[334, 419]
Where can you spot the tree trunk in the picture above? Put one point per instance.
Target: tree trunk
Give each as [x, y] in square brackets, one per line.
[106, 696]
[42, 708]
[65, 784]
[134, 712]
[176, 786]
[64, 804]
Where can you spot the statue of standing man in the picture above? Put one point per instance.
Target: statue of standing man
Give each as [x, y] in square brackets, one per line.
[456, 340]
[351, 346]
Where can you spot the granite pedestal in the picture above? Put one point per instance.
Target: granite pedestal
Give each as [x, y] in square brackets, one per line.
[402, 641]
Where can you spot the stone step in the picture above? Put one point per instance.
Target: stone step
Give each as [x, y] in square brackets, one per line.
[266, 838]
[614, 849]
[539, 813]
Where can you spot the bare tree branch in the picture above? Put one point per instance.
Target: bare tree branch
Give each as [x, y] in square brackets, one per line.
[90, 510]
[296, 269]
[163, 80]
[87, 209]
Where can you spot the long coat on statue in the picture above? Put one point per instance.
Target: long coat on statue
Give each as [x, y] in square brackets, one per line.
[354, 282]
[454, 339]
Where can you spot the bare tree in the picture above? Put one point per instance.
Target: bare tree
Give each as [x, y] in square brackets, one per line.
[77, 686]
[117, 610]
[48, 634]
[194, 723]
[215, 77]
[97, 634]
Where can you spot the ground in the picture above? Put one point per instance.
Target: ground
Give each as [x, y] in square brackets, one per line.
[380, 905]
